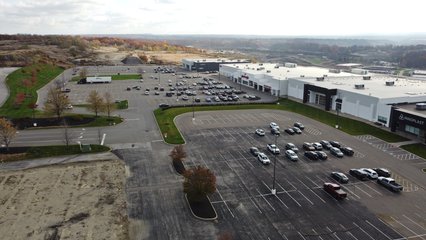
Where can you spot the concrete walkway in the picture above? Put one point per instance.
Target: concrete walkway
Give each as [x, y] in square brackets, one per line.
[399, 144]
[41, 162]
[4, 91]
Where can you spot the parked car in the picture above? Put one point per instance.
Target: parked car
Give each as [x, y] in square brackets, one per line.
[197, 99]
[275, 131]
[292, 147]
[260, 132]
[390, 184]
[321, 155]
[317, 146]
[263, 158]
[208, 99]
[335, 190]
[273, 148]
[299, 125]
[146, 92]
[371, 173]
[361, 175]
[255, 151]
[157, 93]
[325, 144]
[311, 155]
[308, 146]
[185, 98]
[290, 154]
[289, 131]
[274, 125]
[335, 144]
[339, 177]
[347, 151]
[163, 105]
[336, 152]
[382, 172]
[297, 130]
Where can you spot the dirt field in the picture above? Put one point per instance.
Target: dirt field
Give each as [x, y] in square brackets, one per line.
[72, 201]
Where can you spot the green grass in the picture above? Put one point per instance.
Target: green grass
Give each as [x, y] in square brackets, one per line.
[124, 104]
[102, 121]
[58, 150]
[350, 126]
[114, 77]
[45, 73]
[418, 148]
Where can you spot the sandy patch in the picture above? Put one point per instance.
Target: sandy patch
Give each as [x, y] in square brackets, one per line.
[72, 201]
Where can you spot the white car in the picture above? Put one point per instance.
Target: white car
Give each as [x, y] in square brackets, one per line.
[274, 125]
[291, 155]
[371, 173]
[273, 148]
[317, 146]
[263, 158]
[146, 92]
[69, 106]
[260, 132]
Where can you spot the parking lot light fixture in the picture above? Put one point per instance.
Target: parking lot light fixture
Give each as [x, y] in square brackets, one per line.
[273, 190]
[193, 109]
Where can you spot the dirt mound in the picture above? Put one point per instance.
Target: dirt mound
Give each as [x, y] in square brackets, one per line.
[132, 60]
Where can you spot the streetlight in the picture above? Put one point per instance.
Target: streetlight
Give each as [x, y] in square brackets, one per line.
[273, 190]
[193, 109]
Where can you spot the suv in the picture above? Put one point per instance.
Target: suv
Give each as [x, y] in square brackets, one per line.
[321, 155]
[273, 148]
[370, 172]
[317, 146]
[382, 172]
[289, 131]
[263, 158]
[336, 152]
[275, 131]
[361, 175]
[299, 125]
[308, 146]
[260, 132]
[311, 155]
[292, 147]
[335, 144]
[274, 125]
[291, 155]
[325, 144]
[340, 177]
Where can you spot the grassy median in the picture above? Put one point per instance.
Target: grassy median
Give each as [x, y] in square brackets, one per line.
[114, 77]
[350, 126]
[418, 148]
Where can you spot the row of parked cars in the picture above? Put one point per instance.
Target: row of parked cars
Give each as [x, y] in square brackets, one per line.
[382, 175]
[296, 129]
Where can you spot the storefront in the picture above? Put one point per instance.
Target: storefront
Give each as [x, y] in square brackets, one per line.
[408, 121]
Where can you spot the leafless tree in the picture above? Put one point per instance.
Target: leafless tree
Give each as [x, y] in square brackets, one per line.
[109, 104]
[67, 133]
[83, 73]
[7, 132]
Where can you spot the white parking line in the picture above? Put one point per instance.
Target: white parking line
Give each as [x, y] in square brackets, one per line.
[310, 190]
[263, 196]
[409, 229]
[363, 231]
[374, 190]
[251, 199]
[378, 229]
[411, 220]
[334, 234]
[289, 195]
[313, 230]
[363, 191]
[301, 235]
[220, 195]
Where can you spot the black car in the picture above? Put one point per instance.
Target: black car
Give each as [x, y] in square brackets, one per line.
[321, 155]
[163, 105]
[290, 131]
[325, 144]
[308, 146]
[297, 130]
[347, 151]
[382, 172]
[197, 100]
[361, 175]
[275, 131]
[311, 155]
[155, 88]
[339, 177]
[299, 125]
[335, 144]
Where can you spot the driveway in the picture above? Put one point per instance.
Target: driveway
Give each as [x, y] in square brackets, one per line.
[4, 91]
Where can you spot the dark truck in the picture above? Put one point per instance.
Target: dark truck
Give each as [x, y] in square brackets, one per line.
[334, 190]
[389, 183]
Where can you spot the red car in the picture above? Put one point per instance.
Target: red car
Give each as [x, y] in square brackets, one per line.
[334, 190]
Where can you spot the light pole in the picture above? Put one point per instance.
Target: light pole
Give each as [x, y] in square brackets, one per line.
[273, 190]
[193, 109]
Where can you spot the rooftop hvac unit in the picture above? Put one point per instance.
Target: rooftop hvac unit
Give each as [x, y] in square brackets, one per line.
[359, 86]
[268, 71]
[366, 78]
[390, 83]
[302, 75]
[421, 106]
[320, 78]
[334, 70]
[325, 75]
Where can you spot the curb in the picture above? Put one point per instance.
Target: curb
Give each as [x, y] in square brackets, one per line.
[200, 218]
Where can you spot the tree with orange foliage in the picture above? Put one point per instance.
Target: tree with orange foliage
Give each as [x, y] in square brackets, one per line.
[199, 182]
[7, 132]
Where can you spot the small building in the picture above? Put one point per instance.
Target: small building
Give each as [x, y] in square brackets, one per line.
[208, 64]
[410, 119]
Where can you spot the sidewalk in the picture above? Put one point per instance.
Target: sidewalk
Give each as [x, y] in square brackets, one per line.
[41, 162]
[399, 144]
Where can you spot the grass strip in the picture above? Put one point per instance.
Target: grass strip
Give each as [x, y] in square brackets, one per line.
[113, 77]
[417, 148]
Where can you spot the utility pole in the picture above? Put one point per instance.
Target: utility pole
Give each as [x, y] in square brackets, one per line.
[273, 190]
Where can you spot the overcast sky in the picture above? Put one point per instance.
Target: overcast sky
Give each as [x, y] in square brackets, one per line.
[248, 17]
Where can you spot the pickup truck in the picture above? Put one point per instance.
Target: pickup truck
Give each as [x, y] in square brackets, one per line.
[334, 190]
[389, 183]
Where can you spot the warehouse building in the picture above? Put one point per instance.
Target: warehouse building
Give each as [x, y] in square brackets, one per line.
[409, 118]
[370, 97]
[209, 64]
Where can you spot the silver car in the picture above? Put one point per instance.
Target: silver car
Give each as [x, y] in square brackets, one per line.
[290, 154]
[263, 158]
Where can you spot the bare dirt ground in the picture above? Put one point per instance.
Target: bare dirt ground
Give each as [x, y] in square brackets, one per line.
[71, 201]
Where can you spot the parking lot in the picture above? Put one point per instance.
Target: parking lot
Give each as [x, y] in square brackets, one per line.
[301, 209]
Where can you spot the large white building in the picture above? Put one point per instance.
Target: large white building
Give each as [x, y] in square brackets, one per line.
[369, 97]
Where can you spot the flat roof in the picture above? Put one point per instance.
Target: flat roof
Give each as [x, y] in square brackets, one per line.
[411, 108]
[376, 86]
[215, 60]
[283, 72]
[349, 64]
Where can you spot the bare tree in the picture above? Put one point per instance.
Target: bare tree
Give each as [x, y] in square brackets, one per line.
[109, 104]
[67, 134]
[96, 102]
[7, 132]
[83, 73]
[56, 103]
